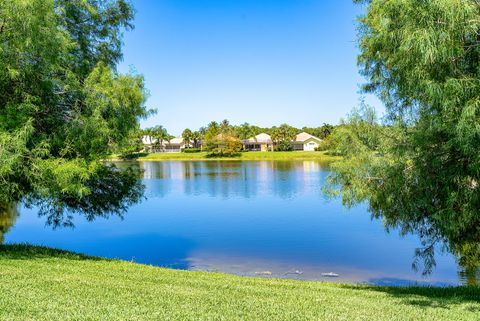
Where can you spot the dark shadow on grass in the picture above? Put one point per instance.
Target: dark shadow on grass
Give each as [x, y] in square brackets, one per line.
[29, 252]
[429, 296]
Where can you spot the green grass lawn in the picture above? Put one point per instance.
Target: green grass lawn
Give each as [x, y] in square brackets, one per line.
[44, 284]
[242, 156]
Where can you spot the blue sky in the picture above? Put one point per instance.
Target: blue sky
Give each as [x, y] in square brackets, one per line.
[265, 62]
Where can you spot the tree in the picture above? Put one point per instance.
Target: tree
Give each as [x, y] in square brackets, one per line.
[221, 140]
[158, 135]
[324, 131]
[225, 126]
[133, 144]
[422, 58]
[321, 132]
[187, 136]
[63, 106]
[283, 136]
[197, 136]
[211, 133]
[225, 145]
[245, 131]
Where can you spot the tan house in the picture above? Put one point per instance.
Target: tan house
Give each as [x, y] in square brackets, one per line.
[263, 143]
[260, 143]
[306, 142]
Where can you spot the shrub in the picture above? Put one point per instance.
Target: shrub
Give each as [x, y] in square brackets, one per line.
[284, 146]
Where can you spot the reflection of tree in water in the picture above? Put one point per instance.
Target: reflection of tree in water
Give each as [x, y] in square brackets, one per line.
[8, 216]
[469, 261]
[226, 178]
[111, 191]
[283, 174]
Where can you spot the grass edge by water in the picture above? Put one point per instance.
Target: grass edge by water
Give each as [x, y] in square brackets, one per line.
[44, 284]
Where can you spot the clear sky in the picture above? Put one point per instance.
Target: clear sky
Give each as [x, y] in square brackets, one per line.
[265, 62]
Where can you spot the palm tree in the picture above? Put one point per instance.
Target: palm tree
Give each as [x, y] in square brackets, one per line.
[159, 134]
[283, 136]
[187, 136]
[245, 131]
[225, 127]
[326, 130]
[197, 136]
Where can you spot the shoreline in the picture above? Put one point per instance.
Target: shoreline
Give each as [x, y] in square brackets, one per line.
[47, 284]
[246, 156]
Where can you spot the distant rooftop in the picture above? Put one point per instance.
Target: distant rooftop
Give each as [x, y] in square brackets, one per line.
[260, 138]
[305, 136]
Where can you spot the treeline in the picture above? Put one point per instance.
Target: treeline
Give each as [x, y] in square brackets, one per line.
[224, 138]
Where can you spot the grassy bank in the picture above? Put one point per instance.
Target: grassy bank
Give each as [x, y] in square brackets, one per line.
[44, 284]
[323, 156]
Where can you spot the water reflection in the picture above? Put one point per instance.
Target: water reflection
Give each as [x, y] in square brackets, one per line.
[8, 216]
[248, 218]
[284, 179]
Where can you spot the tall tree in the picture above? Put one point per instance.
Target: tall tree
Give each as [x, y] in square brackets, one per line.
[422, 58]
[245, 131]
[187, 136]
[283, 136]
[63, 106]
[159, 135]
[197, 136]
[225, 126]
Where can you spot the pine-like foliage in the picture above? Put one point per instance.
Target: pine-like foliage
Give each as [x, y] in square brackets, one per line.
[422, 58]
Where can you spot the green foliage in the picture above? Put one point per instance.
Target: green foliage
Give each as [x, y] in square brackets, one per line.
[221, 140]
[197, 137]
[159, 135]
[321, 132]
[421, 171]
[8, 216]
[187, 136]
[283, 136]
[63, 106]
[192, 150]
[206, 137]
[134, 144]
[244, 131]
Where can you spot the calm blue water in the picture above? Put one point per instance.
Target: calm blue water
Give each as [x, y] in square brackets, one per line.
[266, 218]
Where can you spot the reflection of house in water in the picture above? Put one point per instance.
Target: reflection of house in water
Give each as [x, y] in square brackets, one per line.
[229, 179]
[151, 170]
[311, 166]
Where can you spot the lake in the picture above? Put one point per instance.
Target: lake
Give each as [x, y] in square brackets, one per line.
[257, 218]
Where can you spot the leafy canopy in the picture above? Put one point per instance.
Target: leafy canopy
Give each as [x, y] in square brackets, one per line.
[422, 172]
[63, 106]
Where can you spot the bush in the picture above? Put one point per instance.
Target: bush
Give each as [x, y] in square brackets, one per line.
[192, 150]
[223, 145]
[284, 146]
[322, 147]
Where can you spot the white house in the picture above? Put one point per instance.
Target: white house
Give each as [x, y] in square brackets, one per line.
[263, 142]
[175, 145]
[306, 142]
